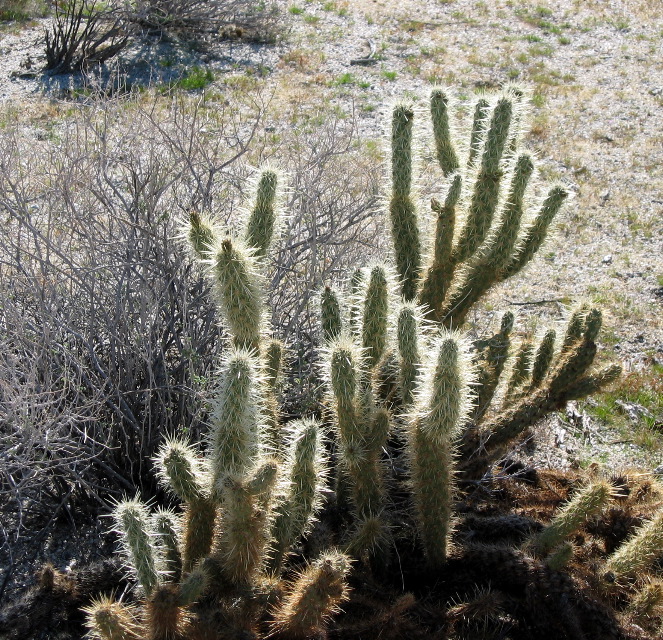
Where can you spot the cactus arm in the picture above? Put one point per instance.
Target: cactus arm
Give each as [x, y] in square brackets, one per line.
[408, 330]
[535, 234]
[375, 317]
[330, 315]
[263, 218]
[572, 516]
[444, 146]
[486, 187]
[166, 526]
[313, 598]
[238, 290]
[402, 210]
[480, 121]
[133, 523]
[639, 552]
[484, 269]
[236, 420]
[307, 472]
[200, 235]
[438, 275]
[443, 405]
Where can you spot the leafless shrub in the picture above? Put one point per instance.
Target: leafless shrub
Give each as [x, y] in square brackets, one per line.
[228, 18]
[331, 229]
[83, 33]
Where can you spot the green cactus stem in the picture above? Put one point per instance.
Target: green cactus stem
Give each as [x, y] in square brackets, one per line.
[439, 274]
[444, 146]
[193, 586]
[330, 315]
[375, 317]
[485, 194]
[491, 359]
[408, 331]
[167, 528]
[586, 503]
[560, 557]
[402, 210]
[133, 523]
[314, 598]
[273, 367]
[639, 552]
[181, 470]
[534, 235]
[442, 407]
[110, 620]
[245, 524]
[263, 218]
[480, 120]
[647, 601]
[237, 418]
[295, 514]
[543, 359]
[520, 372]
[237, 282]
[486, 267]
[165, 618]
[200, 234]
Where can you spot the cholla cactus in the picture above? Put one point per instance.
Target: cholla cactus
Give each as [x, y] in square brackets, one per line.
[402, 387]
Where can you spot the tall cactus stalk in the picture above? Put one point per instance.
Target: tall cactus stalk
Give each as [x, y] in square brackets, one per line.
[442, 407]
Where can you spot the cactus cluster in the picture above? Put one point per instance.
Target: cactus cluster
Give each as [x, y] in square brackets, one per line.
[413, 406]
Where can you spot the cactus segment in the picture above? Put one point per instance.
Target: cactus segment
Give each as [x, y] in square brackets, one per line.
[180, 470]
[239, 293]
[480, 121]
[303, 499]
[111, 620]
[200, 235]
[262, 221]
[375, 317]
[438, 276]
[132, 521]
[647, 601]
[560, 557]
[193, 586]
[245, 524]
[164, 617]
[491, 360]
[444, 147]
[442, 407]
[273, 366]
[236, 420]
[198, 534]
[314, 598]
[572, 516]
[402, 210]
[330, 315]
[166, 526]
[543, 358]
[486, 189]
[520, 372]
[639, 552]
[408, 330]
[535, 234]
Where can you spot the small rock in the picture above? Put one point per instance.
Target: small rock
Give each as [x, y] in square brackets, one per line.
[633, 410]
